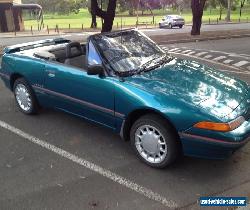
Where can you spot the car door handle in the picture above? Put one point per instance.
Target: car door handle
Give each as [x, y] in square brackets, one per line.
[51, 73]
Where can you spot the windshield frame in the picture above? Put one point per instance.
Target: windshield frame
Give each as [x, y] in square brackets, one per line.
[111, 70]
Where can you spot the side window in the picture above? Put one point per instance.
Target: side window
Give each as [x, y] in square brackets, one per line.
[93, 56]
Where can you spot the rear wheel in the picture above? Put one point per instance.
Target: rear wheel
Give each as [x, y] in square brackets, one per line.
[154, 141]
[170, 25]
[25, 97]
[180, 26]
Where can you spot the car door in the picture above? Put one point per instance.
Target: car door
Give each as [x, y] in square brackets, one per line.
[72, 90]
[167, 20]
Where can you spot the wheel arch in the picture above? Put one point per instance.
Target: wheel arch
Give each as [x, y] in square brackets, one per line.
[13, 78]
[135, 115]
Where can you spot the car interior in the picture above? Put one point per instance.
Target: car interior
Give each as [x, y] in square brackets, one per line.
[73, 54]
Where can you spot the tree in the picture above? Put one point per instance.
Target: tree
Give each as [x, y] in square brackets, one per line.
[197, 10]
[228, 18]
[93, 16]
[180, 4]
[58, 6]
[107, 16]
[222, 4]
[242, 3]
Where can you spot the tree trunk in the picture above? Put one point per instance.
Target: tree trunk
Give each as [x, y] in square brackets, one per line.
[131, 8]
[221, 9]
[241, 6]
[108, 16]
[228, 18]
[197, 10]
[93, 23]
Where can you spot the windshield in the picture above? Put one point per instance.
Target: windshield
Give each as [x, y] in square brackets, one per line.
[127, 51]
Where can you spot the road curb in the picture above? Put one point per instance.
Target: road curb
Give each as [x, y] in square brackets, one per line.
[202, 39]
[30, 35]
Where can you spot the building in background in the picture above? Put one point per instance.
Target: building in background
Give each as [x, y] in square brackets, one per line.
[11, 18]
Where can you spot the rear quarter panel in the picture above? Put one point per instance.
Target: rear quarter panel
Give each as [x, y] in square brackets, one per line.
[32, 69]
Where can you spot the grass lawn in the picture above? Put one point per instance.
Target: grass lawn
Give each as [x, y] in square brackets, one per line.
[83, 17]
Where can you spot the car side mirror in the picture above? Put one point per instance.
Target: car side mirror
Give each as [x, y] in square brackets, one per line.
[163, 19]
[95, 70]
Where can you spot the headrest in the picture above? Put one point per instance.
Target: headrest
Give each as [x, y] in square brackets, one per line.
[45, 55]
[73, 49]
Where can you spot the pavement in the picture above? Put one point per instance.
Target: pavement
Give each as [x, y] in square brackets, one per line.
[56, 161]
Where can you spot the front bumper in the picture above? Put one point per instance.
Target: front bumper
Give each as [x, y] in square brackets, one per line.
[178, 23]
[214, 145]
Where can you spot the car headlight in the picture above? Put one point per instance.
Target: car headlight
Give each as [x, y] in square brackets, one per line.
[222, 127]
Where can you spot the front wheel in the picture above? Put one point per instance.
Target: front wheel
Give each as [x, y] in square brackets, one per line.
[180, 26]
[154, 141]
[170, 25]
[25, 97]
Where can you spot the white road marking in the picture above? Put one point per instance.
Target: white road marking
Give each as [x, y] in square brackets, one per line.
[208, 56]
[165, 48]
[201, 53]
[219, 58]
[186, 51]
[227, 61]
[241, 63]
[175, 49]
[190, 53]
[245, 55]
[93, 167]
[214, 62]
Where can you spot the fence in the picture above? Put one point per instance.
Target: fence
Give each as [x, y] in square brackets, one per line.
[117, 25]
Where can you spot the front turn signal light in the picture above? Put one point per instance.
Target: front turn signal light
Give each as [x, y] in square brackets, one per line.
[222, 127]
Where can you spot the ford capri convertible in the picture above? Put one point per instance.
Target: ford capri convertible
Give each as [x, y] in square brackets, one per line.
[165, 106]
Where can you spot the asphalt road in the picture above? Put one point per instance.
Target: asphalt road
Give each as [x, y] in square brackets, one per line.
[187, 29]
[236, 46]
[150, 32]
[34, 177]
[235, 54]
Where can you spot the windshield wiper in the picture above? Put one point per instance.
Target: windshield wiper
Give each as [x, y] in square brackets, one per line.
[157, 63]
[158, 60]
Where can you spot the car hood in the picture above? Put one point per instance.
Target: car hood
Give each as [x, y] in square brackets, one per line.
[195, 84]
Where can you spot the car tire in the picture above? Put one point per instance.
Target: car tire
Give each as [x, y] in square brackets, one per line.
[160, 25]
[25, 97]
[180, 26]
[154, 141]
[170, 25]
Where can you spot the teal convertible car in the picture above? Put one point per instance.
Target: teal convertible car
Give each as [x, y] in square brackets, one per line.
[165, 106]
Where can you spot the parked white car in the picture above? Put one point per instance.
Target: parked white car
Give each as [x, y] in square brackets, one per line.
[171, 21]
